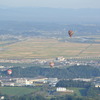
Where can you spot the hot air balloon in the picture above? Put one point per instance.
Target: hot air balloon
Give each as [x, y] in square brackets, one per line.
[51, 64]
[9, 71]
[70, 32]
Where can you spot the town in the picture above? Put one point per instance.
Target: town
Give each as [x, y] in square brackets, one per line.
[59, 62]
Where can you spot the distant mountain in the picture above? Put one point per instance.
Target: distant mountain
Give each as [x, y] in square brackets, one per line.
[51, 15]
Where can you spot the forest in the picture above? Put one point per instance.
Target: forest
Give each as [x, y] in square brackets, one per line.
[92, 95]
[82, 71]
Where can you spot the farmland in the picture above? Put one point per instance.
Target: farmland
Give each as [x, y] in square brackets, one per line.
[47, 48]
[20, 91]
[17, 91]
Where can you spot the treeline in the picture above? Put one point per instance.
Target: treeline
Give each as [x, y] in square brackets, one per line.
[62, 73]
[39, 97]
[73, 83]
[88, 90]
[71, 72]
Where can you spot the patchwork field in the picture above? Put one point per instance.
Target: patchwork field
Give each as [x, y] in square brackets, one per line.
[47, 48]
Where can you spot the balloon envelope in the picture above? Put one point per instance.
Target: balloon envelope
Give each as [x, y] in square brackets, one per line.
[9, 71]
[70, 32]
[51, 64]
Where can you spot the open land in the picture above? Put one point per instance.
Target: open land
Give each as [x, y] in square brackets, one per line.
[20, 91]
[47, 48]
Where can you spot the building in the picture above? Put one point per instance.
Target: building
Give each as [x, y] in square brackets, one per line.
[52, 81]
[39, 79]
[60, 58]
[7, 84]
[97, 85]
[63, 89]
[23, 82]
[2, 97]
[82, 79]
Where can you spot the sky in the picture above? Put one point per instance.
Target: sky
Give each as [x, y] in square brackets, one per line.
[74, 4]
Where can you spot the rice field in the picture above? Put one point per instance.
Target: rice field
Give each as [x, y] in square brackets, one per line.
[48, 48]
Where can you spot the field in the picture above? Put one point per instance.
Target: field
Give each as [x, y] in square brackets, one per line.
[47, 48]
[78, 91]
[20, 91]
[17, 91]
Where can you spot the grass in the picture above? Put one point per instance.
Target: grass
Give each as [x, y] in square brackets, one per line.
[20, 91]
[47, 48]
[17, 91]
[78, 91]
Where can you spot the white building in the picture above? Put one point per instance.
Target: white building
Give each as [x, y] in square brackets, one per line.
[23, 81]
[7, 84]
[1, 66]
[2, 98]
[63, 89]
[52, 80]
[82, 79]
[97, 85]
[60, 58]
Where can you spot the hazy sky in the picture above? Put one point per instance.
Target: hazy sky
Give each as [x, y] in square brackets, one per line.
[51, 3]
